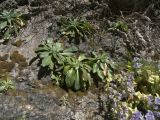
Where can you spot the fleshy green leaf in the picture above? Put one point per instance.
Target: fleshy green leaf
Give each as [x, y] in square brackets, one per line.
[77, 81]
[81, 57]
[3, 25]
[70, 77]
[67, 54]
[71, 49]
[44, 54]
[66, 68]
[102, 65]
[86, 75]
[2, 88]
[7, 34]
[46, 61]
[41, 49]
[95, 68]
[100, 74]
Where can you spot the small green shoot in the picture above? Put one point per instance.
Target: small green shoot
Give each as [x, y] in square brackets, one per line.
[119, 25]
[6, 84]
[77, 73]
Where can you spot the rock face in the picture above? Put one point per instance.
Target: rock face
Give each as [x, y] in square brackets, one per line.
[35, 98]
[22, 2]
[128, 5]
[38, 99]
[46, 103]
[8, 4]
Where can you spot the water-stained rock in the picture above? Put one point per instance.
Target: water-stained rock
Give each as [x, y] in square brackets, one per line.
[6, 66]
[19, 59]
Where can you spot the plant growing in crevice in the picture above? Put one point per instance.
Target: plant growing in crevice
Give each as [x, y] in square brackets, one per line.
[147, 76]
[53, 55]
[64, 101]
[119, 89]
[102, 65]
[10, 23]
[76, 29]
[77, 73]
[124, 103]
[5, 83]
[147, 87]
[133, 93]
[148, 79]
[119, 25]
[71, 71]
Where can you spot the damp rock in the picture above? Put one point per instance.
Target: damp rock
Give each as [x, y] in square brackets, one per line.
[17, 43]
[4, 57]
[20, 59]
[6, 66]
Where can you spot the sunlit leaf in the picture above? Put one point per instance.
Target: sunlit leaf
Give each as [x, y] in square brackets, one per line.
[77, 81]
[70, 78]
[3, 25]
[46, 61]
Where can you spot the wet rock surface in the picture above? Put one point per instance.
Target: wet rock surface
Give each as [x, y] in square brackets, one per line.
[45, 103]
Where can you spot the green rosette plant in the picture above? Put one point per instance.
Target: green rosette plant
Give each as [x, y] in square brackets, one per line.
[5, 83]
[53, 54]
[77, 73]
[119, 25]
[75, 28]
[102, 65]
[10, 23]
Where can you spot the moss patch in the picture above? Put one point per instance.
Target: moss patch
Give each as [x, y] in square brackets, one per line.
[20, 59]
[6, 66]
